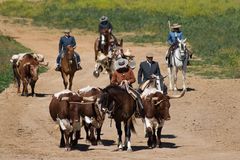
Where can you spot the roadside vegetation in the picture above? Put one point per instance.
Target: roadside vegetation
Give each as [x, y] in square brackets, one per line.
[211, 26]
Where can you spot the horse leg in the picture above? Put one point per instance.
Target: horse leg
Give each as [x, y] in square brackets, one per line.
[175, 79]
[70, 81]
[184, 79]
[170, 70]
[65, 82]
[128, 137]
[119, 130]
[159, 132]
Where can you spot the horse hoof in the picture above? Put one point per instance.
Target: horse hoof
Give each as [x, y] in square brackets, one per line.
[129, 150]
[67, 149]
[99, 142]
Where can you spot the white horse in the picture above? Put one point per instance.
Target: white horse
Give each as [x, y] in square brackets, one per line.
[179, 59]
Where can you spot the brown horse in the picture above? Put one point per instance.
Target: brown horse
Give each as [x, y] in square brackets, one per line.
[105, 58]
[122, 107]
[27, 72]
[68, 67]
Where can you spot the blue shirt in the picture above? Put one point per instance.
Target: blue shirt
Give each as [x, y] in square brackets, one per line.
[65, 41]
[172, 37]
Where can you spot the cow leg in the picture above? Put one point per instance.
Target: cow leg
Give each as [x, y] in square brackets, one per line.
[86, 130]
[25, 90]
[128, 137]
[18, 84]
[67, 138]
[62, 141]
[159, 132]
[150, 137]
[119, 130]
[98, 130]
[154, 138]
[77, 137]
[32, 83]
[92, 136]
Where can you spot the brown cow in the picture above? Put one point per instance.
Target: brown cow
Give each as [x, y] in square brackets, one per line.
[156, 107]
[73, 107]
[67, 116]
[27, 72]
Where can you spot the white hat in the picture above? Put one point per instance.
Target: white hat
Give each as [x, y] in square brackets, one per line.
[66, 31]
[176, 25]
[121, 63]
[103, 18]
[128, 53]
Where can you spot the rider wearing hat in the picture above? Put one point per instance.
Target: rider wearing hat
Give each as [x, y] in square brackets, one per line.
[64, 41]
[172, 40]
[124, 76]
[103, 25]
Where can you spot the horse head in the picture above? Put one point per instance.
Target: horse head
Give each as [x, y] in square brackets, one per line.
[69, 53]
[182, 47]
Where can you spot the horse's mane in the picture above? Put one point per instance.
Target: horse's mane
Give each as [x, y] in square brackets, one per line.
[115, 87]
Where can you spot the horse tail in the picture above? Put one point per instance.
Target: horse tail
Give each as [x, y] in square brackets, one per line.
[131, 124]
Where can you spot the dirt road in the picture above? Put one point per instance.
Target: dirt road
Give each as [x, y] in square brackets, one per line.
[204, 124]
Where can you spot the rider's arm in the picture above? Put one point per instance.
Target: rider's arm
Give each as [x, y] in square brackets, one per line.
[140, 72]
[180, 35]
[114, 79]
[60, 45]
[132, 78]
[73, 42]
[169, 40]
[158, 72]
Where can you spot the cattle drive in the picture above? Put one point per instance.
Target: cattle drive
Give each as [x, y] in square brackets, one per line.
[87, 107]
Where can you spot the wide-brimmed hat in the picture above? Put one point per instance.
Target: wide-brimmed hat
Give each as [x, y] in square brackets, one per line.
[67, 31]
[149, 54]
[103, 18]
[176, 25]
[121, 63]
[128, 53]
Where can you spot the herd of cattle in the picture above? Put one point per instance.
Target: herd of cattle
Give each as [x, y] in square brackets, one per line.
[88, 106]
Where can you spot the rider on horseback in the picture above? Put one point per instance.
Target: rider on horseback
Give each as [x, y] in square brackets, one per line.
[124, 76]
[64, 41]
[105, 25]
[172, 41]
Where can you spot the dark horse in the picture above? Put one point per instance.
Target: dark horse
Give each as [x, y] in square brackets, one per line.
[68, 67]
[122, 106]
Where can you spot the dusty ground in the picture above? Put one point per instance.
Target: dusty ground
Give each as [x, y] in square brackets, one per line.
[204, 124]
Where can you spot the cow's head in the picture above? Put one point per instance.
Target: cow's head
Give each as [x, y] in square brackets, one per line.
[34, 72]
[162, 105]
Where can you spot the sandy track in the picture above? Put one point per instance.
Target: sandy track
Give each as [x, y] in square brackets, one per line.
[204, 124]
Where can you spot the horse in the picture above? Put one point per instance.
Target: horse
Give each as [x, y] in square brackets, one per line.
[68, 67]
[105, 60]
[179, 59]
[116, 101]
[27, 72]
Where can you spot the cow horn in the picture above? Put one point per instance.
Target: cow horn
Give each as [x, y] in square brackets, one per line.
[184, 40]
[64, 99]
[43, 64]
[90, 99]
[177, 96]
[154, 98]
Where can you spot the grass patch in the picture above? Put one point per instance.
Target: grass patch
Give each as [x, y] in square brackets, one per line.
[211, 26]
